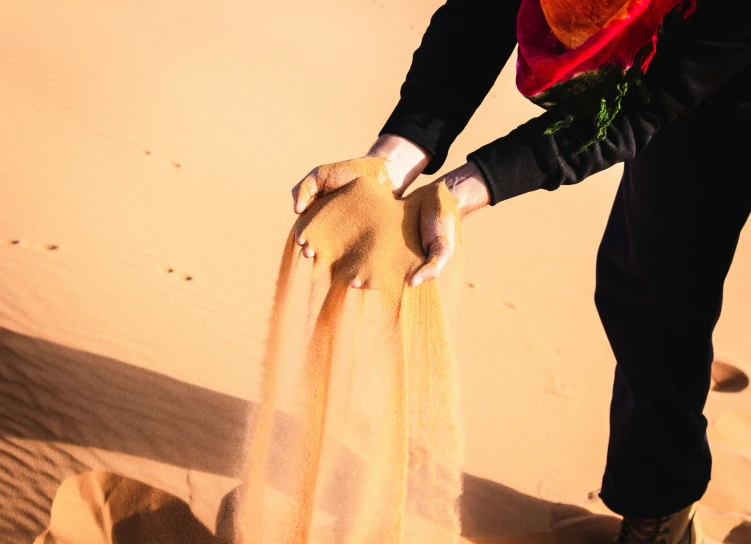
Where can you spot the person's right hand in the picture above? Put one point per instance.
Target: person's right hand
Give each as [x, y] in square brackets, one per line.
[325, 179]
[392, 159]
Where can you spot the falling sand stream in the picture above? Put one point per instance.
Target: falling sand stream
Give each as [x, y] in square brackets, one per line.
[358, 436]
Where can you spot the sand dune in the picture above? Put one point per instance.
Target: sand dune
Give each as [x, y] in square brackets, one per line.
[147, 151]
[101, 507]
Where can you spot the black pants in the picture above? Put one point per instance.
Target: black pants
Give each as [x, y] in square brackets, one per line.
[666, 251]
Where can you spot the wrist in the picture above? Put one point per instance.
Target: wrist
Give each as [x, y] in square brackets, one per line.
[405, 159]
[468, 187]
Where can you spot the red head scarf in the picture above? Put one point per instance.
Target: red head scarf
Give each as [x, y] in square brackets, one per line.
[579, 56]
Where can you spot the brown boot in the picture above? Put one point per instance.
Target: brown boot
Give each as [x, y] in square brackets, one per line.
[679, 528]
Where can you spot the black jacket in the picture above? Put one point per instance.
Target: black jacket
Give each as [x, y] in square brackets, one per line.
[469, 41]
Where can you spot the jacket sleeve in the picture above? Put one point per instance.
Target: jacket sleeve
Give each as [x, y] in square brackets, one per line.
[695, 58]
[463, 51]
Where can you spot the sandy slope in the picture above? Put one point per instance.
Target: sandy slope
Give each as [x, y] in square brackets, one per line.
[146, 156]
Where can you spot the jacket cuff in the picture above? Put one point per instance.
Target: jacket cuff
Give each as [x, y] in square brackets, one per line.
[513, 165]
[429, 130]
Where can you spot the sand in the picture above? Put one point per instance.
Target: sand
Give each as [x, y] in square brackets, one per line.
[147, 152]
[359, 425]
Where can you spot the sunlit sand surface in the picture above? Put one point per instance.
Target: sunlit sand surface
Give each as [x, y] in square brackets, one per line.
[147, 152]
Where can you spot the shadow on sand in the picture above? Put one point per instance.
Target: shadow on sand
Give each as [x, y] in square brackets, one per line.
[63, 396]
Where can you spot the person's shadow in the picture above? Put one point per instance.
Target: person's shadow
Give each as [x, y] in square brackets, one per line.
[62, 397]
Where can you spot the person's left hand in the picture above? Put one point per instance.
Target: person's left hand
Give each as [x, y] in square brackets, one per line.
[443, 203]
[439, 221]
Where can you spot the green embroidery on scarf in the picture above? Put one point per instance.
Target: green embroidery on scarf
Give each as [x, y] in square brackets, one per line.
[580, 94]
[606, 115]
[558, 125]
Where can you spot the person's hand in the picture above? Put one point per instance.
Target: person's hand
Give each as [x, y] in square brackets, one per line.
[346, 228]
[442, 204]
[326, 179]
[438, 227]
[373, 239]
[393, 160]
[368, 236]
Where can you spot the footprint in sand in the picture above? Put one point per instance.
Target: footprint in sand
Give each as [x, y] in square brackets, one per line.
[170, 270]
[727, 378]
[45, 247]
[173, 164]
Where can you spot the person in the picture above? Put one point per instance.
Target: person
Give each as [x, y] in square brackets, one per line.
[682, 130]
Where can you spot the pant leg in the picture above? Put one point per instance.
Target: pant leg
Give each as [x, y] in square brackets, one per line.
[662, 262]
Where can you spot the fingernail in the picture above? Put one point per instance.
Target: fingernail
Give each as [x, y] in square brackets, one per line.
[417, 281]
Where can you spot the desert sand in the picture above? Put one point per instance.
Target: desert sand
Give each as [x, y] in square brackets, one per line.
[147, 151]
[358, 436]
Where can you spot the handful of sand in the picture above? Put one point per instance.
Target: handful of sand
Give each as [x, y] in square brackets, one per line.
[358, 437]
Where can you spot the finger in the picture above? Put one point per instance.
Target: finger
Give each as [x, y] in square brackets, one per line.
[308, 252]
[295, 193]
[357, 283]
[299, 239]
[370, 285]
[304, 192]
[441, 250]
